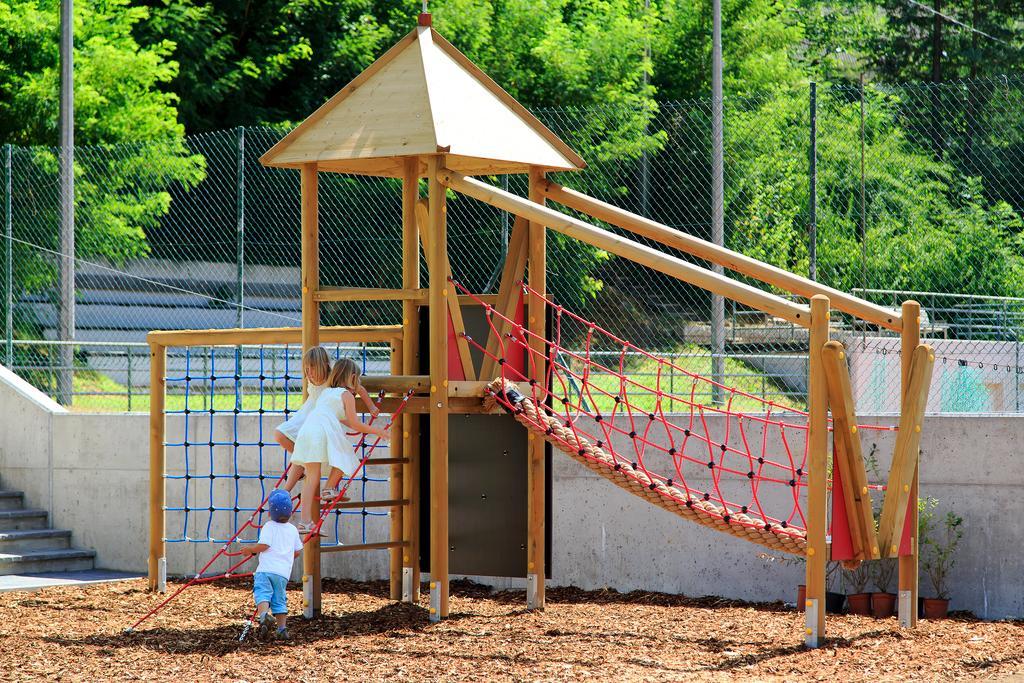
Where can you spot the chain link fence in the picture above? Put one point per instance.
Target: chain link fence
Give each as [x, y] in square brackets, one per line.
[911, 192]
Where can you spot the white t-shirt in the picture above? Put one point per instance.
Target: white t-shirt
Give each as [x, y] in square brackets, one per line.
[284, 542]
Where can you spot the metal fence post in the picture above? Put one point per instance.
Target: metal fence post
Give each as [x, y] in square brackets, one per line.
[812, 247]
[9, 253]
[240, 228]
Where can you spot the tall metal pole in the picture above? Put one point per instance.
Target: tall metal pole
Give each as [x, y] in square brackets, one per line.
[717, 202]
[66, 269]
[812, 247]
[9, 254]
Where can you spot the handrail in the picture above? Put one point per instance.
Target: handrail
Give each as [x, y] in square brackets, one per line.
[272, 335]
[621, 246]
[847, 303]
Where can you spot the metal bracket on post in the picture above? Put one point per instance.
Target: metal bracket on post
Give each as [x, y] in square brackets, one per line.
[307, 596]
[531, 591]
[813, 637]
[406, 584]
[435, 601]
[161, 575]
[906, 609]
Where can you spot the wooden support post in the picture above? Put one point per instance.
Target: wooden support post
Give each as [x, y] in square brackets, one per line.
[310, 338]
[454, 306]
[440, 289]
[817, 477]
[910, 338]
[508, 296]
[157, 425]
[410, 366]
[397, 487]
[849, 458]
[537, 311]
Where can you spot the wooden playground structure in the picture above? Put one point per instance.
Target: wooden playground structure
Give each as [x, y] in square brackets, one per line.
[423, 111]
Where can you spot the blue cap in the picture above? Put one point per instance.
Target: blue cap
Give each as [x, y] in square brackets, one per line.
[280, 505]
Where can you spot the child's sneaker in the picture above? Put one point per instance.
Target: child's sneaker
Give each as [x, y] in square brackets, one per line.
[267, 625]
[283, 635]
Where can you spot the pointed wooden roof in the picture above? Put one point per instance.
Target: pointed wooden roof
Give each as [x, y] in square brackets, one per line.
[422, 96]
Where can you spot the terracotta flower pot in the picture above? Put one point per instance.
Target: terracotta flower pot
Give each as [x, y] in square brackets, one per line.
[801, 596]
[883, 605]
[935, 608]
[859, 603]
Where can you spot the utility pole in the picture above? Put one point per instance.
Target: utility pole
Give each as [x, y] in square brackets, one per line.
[66, 267]
[717, 203]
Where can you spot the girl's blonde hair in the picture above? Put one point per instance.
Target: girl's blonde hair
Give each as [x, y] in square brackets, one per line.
[316, 365]
[345, 373]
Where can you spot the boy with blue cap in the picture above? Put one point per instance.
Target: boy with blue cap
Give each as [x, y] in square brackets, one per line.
[278, 546]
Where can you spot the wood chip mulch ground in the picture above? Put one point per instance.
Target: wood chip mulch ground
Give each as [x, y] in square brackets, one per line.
[77, 634]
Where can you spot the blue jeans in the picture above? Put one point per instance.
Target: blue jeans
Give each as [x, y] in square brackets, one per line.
[270, 588]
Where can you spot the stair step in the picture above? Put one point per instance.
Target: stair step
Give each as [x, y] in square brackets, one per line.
[38, 561]
[18, 520]
[34, 539]
[12, 500]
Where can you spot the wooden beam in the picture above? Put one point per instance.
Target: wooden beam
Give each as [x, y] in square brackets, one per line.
[508, 296]
[904, 458]
[255, 336]
[537, 448]
[410, 366]
[396, 384]
[396, 487]
[377, 462]
[437, 256]
[393, 545]
[478, 299]
[848, 453]
[620, 246]
[735, 261]
[370, 504]
[454, 308]
[817, 479]
[157, 426]
[370, 294]
[310, 338]
[910, 339]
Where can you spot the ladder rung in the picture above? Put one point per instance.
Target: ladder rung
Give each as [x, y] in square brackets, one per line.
[364, 546]
[352, 504]
[386, 461]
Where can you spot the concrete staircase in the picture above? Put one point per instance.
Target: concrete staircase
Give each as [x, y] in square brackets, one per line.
[29, 546]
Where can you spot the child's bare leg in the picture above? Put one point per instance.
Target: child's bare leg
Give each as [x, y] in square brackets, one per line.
[284, 441]
[310, 490]
[295, 473]
[282, 620]
[334, 478]
[261, 609]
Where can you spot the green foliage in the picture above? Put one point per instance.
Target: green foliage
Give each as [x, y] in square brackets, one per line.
[938, 537]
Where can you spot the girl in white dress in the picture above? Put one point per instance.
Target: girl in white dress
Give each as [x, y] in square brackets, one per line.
[316, 366]
[322, 442]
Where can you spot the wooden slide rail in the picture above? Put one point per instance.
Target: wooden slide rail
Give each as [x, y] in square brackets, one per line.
[620, 246]
[849, 457]
[790, 282]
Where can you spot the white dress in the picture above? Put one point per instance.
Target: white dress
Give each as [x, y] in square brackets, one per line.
[322, 438]
[293, 424]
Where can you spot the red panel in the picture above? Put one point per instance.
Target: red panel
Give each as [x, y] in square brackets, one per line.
[842, 540]
[907, 531]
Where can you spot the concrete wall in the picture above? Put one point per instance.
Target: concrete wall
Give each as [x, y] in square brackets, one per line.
[603, 537]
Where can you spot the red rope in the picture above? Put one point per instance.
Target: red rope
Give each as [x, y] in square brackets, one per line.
[223, 552]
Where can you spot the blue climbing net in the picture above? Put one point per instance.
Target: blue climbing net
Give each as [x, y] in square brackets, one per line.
[223, 405]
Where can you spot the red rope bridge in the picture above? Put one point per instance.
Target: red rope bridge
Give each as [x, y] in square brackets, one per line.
[737, 467]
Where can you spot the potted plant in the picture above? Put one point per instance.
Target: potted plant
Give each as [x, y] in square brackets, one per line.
[858, 600]
[883, 602]
[939, 543]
